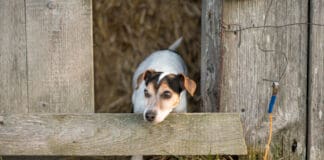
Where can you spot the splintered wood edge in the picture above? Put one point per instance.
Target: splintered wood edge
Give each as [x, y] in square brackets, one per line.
[121, 134]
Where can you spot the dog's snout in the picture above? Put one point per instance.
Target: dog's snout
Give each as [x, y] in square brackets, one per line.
[150, 115]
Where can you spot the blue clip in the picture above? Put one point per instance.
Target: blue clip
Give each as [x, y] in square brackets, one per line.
[275, 89]
[272, 103]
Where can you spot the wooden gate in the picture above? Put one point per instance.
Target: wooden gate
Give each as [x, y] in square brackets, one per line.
[47, 97]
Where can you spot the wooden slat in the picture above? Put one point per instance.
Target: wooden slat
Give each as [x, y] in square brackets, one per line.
[120, 134]
[248, 60]
[13, 72]
[60, 58]
[316, 83]
[211, 55]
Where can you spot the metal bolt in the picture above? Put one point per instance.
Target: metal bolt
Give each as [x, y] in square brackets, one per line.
[51, 5]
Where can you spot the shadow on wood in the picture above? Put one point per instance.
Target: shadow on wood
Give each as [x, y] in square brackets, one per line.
[121, 134]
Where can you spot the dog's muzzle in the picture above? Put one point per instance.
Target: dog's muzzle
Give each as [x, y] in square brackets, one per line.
[150, 115]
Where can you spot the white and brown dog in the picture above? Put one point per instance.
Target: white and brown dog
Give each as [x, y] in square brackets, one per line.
[160, 85]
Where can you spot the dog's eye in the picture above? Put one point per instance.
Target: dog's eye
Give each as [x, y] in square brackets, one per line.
[146, 94]
[166, 95]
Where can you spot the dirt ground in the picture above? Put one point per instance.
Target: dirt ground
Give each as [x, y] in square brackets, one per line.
[126, 31]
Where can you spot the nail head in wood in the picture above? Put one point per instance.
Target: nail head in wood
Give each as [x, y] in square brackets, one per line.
[51, 5]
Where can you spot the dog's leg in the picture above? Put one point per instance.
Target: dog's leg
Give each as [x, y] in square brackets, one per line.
[137, 157]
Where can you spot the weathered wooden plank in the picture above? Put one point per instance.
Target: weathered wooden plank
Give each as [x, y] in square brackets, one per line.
[13, 72]
[211, 55]
[254, 54]
[120, 134]
[316, 82]
[60, 58]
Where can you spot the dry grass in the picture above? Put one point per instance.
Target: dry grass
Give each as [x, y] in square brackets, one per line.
[126, 31]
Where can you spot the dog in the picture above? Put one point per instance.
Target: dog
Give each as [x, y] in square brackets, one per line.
[160, 85]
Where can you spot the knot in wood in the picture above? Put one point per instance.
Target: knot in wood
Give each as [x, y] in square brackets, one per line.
[51, 5]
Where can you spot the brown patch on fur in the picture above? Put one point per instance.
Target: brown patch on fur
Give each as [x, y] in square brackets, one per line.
[148, 75]
[151, 88]
[179, 82]
[189, 85]
[166, 103]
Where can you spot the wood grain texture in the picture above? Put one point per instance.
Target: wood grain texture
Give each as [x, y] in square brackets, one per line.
[13, 71]
[120, 134]
[46, 62]
[60, 57]
[316, 83]
[254, 54]
[211, 55]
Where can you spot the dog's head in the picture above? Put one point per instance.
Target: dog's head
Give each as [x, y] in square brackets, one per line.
[162, 93]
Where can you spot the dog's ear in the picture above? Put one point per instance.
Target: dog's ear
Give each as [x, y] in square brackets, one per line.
[144, 76]
[188, 84]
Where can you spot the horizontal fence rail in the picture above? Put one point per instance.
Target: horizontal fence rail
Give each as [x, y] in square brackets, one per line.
[120, 134]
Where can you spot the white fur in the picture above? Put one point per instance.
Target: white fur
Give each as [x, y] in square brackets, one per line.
[176, 44]
[161, 61]
[165, 61]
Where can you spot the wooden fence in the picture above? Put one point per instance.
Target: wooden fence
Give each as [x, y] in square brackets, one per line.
[246, 43]
[46, 68]
[120, 134]
[47, 97]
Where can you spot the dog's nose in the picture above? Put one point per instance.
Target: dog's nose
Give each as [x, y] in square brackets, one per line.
[150, 115]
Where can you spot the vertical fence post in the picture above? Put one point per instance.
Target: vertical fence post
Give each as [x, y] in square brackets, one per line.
[13, 71]
[244, 42]
[60, 57]
[46, 57]
[211, 54]
[315, 147]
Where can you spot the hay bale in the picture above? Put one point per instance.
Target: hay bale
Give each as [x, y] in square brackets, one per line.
[125, 32]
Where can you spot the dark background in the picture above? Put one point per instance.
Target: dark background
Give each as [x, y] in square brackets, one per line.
[126, 31]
